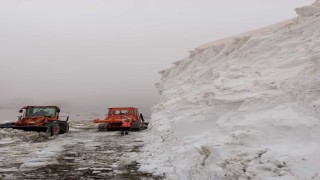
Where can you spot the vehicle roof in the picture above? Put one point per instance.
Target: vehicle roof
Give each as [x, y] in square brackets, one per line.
[25, 107]
[122, 108]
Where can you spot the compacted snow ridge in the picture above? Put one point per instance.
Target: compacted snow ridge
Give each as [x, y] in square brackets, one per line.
[245, 107]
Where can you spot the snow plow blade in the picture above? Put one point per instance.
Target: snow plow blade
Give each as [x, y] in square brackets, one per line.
[27, 128]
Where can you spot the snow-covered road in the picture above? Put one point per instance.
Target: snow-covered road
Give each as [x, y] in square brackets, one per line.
[84, 153]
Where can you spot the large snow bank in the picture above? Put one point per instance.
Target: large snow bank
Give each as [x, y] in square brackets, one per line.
[246, 107]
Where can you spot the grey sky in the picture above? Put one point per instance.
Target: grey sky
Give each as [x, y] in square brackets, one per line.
[91, 54]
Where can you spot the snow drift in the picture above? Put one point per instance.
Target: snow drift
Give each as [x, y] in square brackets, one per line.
[246, 107]
[8, 136]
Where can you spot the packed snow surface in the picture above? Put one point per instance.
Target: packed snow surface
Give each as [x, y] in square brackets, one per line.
[246, 107]
[82, 153]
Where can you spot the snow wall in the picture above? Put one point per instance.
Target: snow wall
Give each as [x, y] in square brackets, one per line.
[245, 107]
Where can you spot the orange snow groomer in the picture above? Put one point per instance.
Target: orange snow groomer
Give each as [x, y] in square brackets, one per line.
[116, 117]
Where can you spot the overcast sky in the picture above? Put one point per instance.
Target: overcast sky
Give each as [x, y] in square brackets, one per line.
[92, 54]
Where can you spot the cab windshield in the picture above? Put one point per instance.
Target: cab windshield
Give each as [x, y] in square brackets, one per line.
[121, 112]
[48, 112]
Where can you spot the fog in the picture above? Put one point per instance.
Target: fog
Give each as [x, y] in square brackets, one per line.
[87, 55]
